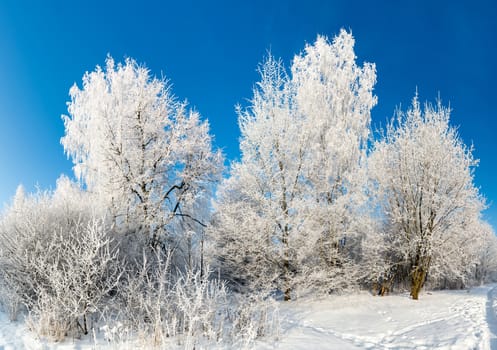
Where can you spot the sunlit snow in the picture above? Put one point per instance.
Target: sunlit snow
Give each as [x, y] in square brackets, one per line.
[439, 320]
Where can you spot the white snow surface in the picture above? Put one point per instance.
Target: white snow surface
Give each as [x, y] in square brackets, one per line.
[439, 320]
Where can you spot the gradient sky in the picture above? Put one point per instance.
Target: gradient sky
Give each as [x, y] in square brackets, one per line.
[210, 50]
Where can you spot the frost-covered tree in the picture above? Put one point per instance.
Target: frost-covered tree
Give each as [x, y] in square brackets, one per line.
[334, 95]
[257, 217]
[140, 150]
[424, 176]
[455, 266]
[485, 244]
[289, 212]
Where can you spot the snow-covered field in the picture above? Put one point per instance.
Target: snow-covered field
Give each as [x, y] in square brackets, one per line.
[439, 320]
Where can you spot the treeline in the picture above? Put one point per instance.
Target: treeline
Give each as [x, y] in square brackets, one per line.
[152, 237]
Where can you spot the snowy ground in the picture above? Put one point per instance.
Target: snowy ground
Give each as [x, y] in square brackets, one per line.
[439, 320]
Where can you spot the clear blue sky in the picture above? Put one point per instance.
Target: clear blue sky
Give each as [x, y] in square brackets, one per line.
[210, 50]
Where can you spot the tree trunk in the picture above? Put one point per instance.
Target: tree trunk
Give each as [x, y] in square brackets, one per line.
[202, 237]
[285, 233]
[418, 277]
[286, 266]
[85, 324]
[288, 289]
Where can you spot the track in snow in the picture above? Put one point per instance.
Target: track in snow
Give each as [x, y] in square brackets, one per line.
[491, 308]
[439, 320]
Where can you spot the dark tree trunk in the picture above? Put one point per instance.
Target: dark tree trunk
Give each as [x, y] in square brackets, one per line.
[286, 266]
[417, 281]
[418, 275]
[288, 289]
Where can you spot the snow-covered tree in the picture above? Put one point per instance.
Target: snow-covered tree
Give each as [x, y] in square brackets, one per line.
[289, 212]
[424, 176]
[334, 95]
[485, 244]
[145, 155]
[455, 266]
[256, 209]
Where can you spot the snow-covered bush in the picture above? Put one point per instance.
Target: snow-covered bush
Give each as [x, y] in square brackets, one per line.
[485, 269]
[468, 260]
[58, 259]
[168, 307]
[253, 316]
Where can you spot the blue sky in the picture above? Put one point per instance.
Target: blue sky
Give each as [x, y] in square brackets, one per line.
[210, 50]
